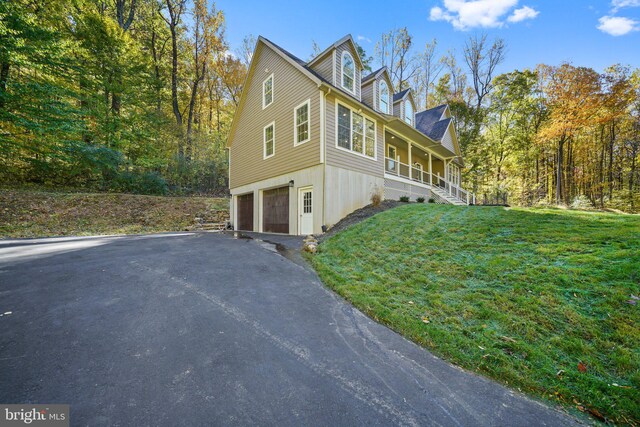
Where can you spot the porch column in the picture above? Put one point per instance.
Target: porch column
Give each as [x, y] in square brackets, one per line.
[410, 162]
[430, 175]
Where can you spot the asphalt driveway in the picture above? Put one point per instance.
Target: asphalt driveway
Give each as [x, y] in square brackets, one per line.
[208, 329]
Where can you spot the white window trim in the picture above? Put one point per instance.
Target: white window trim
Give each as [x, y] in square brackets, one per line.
[273, 92]
[264, 141]
[375, 132]
[380, 83]
[295, 123]
[355, 73]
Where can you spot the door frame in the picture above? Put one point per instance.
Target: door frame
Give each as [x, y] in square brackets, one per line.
[301, 208]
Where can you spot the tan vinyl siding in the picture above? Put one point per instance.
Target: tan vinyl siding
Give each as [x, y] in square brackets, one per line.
[368, 90]
[347, 46]
[346, 159]
[398, 109]
[447, 140]
[324, 67]
[290, 88]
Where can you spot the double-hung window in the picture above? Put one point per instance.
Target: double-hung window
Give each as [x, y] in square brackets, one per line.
[269, 140]
[267, 91]
[301, 120]
[356, 132]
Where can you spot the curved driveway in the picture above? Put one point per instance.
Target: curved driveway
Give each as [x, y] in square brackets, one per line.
[204, 329]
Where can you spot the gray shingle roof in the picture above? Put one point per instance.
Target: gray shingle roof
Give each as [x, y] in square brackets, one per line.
[429, 123]
[372, 75]
[400, 95]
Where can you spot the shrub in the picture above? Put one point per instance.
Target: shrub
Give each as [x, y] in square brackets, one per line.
[581, 202]
[376, 197]
[139, 183]
[404, 199]
[432, 200]
[420, 200]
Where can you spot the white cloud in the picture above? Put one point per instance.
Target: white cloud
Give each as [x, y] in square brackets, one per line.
[522, 14]
[617, 25]
[619, 4]
[466, 14]
[363, 38]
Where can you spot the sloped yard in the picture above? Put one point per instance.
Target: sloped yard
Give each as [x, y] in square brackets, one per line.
[543, 300]
[33, 213]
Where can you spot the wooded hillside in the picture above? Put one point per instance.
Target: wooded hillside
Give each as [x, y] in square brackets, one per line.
[564, 134]
[138, 96]
[120, 95]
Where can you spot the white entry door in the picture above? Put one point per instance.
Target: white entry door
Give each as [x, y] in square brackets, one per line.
[305, 210]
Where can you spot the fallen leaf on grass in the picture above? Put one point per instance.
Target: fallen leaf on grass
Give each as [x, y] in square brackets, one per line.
[425, 319]
[596, 414]
[560, 372]
[582, 367]
[621, 386]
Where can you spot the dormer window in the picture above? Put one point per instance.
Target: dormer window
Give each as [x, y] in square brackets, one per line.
[384, 97]
[408, 112]
[348, 72]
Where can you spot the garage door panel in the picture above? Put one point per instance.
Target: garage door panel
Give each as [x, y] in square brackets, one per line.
[275, 205]
[245, 212]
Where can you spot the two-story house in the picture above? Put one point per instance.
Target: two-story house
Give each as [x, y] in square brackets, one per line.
[312, 141]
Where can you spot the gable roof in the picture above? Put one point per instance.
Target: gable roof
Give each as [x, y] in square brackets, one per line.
[428, 122]
[400, 95]
[344, 39]
[374, 75]
[431, 123]
[432, 115]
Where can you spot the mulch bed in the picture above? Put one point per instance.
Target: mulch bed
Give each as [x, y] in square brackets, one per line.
[359, 216]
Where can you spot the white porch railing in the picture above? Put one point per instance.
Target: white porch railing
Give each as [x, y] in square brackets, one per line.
[394, 167]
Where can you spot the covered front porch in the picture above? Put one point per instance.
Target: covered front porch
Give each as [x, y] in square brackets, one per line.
[432, 167]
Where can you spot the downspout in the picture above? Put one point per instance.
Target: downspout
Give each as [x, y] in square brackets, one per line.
[323, 149]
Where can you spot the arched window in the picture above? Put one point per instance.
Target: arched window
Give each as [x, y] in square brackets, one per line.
[408, 112]
[348, 72]
[384, 97]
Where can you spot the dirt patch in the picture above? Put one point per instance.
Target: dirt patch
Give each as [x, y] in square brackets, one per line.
[359, 216]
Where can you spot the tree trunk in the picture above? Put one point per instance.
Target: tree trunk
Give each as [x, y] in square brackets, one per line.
[192, 102]
[559, 169]
[4, 78]
[634, 154]
[124, 23]
[156, 69]
[611, 142]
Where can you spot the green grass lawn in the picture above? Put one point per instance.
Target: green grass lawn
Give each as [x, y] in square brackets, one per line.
[538, 299]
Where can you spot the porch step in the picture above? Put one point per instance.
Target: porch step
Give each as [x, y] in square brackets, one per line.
[447, 197]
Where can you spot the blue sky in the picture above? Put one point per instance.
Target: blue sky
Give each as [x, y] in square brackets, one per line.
[594, 33]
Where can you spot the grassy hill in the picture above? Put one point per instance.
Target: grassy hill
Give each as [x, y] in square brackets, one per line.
[543, 300]
[34, 213]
